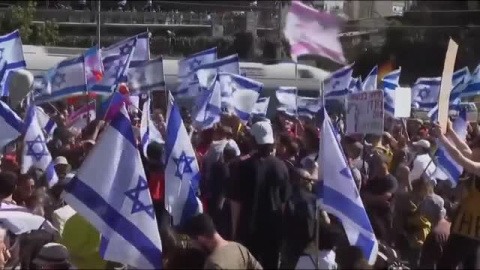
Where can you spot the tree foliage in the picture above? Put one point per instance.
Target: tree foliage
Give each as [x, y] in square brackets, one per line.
[21, 17]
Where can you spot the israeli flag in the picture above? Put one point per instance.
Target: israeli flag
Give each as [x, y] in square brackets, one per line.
[11, 58]
[93, 66]
[146, 76]
[355, 85]
[35, 152]
[370, 83]
[64, 80]
[340, 194]
[182, 174]
[473, 85]
[209, 104]
[140, 49]
[425, 92]
[239, 94]
[47, 124]
[191, 63]
[389, 84]
[190, 86]
[11, 125]
[287, 98]
[308, 106]
[261, 107]
[111, 191]
[116, 68]
[20, 220]
[447, 168]
[148, 132]
[338, 82]
[460, 81]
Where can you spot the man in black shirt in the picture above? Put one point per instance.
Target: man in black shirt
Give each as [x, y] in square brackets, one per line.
[258, 192]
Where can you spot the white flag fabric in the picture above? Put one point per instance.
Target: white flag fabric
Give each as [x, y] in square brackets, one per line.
[115, 67]
[141, 49]
[20, 220]
[425, 92]
[261, 107]
[182, 173]
[148, 132]
[310, 31]
[370, 82]
[110, 190]
[239, 94]
[35, 151]
[340, 194]
[188, 65]
[308, 106]
[190, 86]
[11, 125]
[64, 80]
[209, 104]
[146, 76]
[11, 58]
[47, 124]
[473, 85]
[447, 168]
[337, 84]
[355, 85]
[389, 84]
[287, 99]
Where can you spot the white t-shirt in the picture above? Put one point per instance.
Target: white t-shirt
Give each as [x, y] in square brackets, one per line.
[419, 164]
[326, 260]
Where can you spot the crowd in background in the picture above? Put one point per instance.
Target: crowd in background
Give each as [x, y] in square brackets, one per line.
[258, 191]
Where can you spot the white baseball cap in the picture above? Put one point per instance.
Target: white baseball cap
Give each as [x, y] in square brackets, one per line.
[422, 143]
[262, 132]
[60, 161]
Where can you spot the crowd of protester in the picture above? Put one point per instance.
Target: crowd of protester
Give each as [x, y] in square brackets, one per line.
[258, 190]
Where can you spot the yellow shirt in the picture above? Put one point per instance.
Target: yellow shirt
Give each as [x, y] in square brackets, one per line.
[467, 222]
[83, 242]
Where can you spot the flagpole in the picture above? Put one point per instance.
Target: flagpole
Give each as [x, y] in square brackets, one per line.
[98, 23]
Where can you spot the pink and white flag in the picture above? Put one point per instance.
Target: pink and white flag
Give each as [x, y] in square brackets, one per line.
[310, 31]
[79, 118]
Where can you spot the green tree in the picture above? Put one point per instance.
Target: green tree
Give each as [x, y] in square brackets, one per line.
[21, 17]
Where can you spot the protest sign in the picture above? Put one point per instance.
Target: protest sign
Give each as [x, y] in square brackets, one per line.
[446, 85]
[365, 113]
[402, 102]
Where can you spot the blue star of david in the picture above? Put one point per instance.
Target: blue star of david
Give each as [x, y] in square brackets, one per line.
[31, 151]
[194, 64]
[113, 69]
[335, 84]
[58, 79]
[134, 195]
[125, 49]
[187, 162]
[424, 93]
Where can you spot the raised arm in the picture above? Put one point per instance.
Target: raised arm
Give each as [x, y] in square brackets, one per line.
[460, 144]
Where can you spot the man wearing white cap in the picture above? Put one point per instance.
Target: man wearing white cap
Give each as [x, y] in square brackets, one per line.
[423, 163]
[258, 192]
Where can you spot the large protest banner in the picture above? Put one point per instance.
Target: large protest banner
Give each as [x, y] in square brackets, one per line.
[446, 85]
[365, 113]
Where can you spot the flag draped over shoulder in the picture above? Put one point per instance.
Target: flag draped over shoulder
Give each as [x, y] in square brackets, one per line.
[110, 190]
